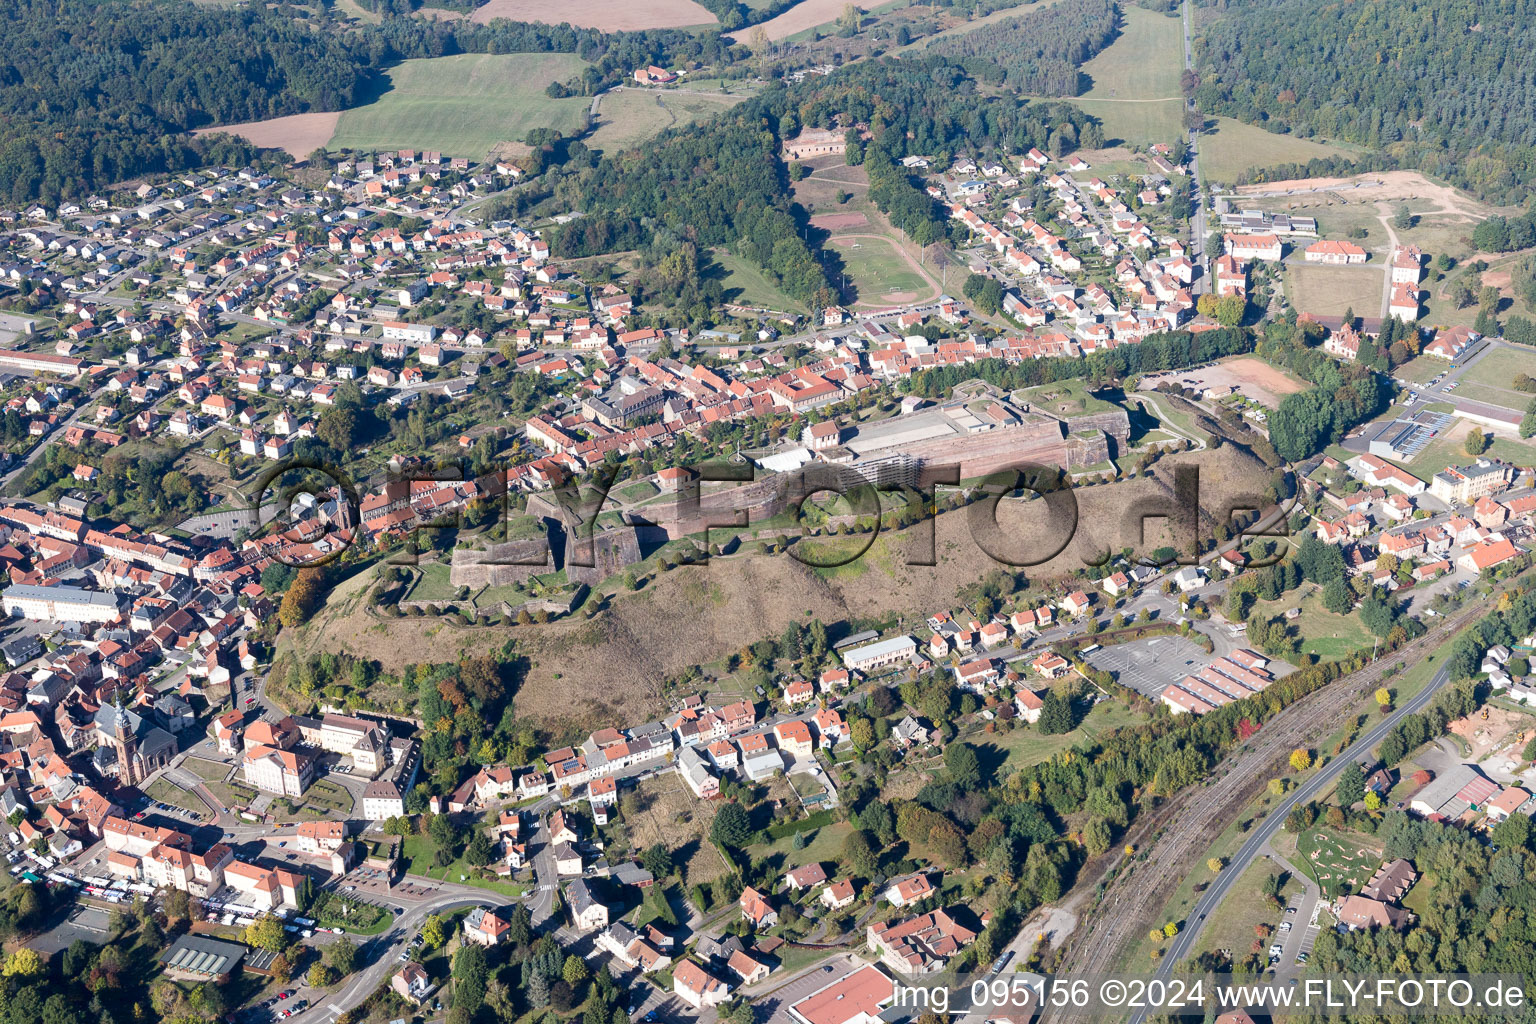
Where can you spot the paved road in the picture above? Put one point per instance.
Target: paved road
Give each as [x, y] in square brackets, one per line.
[1197, 223]
[1259, 838]
[382, 955]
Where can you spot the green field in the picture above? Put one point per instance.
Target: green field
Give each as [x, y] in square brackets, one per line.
[1421, 369]
[1337, 863]
[629, 117]
[1330, 291]
[433, 584]
[1323, 633]
[1025, 745]
[210, 771]
[745, 283]
[1449, 449]
[1229, 147]
[1232, 926]
[1502, 397]
[464, 105]
[877, 271]
[1064, 398]
[1499, 367]
[1136, 80]
[167, 793]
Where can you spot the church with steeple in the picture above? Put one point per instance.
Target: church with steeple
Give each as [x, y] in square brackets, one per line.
[140, 746]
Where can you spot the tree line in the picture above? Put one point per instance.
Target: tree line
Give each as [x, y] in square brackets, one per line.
[1039, 53]
[1344, 396]
[1448, 86]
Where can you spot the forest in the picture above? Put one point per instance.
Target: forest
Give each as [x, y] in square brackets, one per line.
[1447, 86]
[1038, 53]
[123, 83]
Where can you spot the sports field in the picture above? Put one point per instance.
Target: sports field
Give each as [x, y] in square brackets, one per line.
[1329, 291]
[1136, 80]
[464, 105]
[1229, 147]
[878, 271]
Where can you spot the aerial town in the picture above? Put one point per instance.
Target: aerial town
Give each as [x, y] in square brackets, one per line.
[770, 512]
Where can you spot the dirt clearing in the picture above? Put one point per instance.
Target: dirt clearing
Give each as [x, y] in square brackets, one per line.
[608, 15]
[299, 134]
[1252, 377]
[1501, 729]
[1424, 196]
[839, 221]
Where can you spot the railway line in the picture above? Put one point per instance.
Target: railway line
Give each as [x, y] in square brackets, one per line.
[1180, 832]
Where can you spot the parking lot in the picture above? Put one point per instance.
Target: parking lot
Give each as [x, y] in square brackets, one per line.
[1150, 666]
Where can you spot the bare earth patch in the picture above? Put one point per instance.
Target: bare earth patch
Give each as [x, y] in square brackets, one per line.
[804, 15]
[1253, 377]
[839, 221]
[1383, 186]
[608, 15]
[299, 134]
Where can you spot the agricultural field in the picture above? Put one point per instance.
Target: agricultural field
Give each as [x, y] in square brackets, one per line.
[1330, 291]
[879, 272]
[630, 116]
[802, 17]
[1135, 89]
[1229, 147]
[297, 134]
[967, 27]
[608, 15]
[464, 105]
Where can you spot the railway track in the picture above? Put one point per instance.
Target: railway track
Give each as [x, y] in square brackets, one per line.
[1181, 830]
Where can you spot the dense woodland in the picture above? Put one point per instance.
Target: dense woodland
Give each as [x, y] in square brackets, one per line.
[1448, 86]
[1039, 52]
[123, 82]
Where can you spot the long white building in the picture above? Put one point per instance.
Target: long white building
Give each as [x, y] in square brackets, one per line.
[59, 604]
